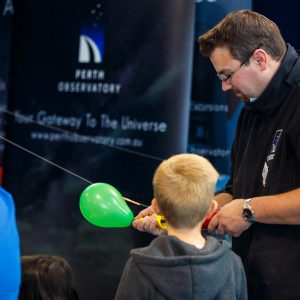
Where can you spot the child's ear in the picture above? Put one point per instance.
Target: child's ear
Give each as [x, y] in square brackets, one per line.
[212, 208]
[155, 206]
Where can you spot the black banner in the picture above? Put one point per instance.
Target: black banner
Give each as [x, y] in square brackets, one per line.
[6, 17]
[101, 89]
[213, 113]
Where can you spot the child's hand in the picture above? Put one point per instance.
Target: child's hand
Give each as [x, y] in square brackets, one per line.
[146, 221]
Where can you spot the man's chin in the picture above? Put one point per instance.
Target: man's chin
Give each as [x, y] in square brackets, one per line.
[242, 97]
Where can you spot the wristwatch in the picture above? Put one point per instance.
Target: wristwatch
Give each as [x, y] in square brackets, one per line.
[248, 213]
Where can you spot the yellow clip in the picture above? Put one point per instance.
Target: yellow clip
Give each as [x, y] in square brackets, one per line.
[161, 222]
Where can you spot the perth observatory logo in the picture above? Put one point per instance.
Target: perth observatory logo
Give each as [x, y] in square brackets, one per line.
[90, 77]
[91, 38]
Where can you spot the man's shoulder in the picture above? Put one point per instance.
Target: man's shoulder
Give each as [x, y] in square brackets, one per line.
[294, 75]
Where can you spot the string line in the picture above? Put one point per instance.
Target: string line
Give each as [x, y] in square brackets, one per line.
[60, 167]
[74, 134]
[44, 159]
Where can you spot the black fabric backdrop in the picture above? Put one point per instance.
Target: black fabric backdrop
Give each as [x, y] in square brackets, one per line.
[144, 77]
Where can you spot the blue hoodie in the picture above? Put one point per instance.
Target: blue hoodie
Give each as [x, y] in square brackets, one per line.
[10, 261]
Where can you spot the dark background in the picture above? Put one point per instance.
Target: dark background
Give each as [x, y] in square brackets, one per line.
[142, 53]
[148, 47]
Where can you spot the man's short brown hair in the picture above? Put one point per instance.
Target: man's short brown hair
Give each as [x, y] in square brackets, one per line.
[242, 32]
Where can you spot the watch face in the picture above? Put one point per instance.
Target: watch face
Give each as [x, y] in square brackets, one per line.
[247, 214]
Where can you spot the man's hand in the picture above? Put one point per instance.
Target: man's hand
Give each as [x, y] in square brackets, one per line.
[229, 219]
[146, 221]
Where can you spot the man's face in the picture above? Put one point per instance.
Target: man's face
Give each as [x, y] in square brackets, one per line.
[240, 77]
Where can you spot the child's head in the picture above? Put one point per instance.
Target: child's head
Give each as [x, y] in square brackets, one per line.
[184, 186]
[47, 277]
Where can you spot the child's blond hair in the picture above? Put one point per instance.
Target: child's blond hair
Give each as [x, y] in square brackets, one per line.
[184, 186]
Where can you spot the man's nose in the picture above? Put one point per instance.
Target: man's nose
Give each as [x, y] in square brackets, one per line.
[226, 85]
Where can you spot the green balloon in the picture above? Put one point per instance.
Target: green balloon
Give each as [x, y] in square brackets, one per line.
[103, 205]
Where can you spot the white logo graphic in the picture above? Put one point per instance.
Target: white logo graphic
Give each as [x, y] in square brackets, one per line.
[8, 7]
[276, 140]
[88, 51]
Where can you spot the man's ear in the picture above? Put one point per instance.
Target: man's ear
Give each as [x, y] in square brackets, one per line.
[212, 208]
[261, 59]
[155, 206]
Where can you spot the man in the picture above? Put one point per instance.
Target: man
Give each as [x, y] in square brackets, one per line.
[260, 207]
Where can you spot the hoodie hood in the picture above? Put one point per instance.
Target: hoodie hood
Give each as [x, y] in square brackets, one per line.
[181, 271]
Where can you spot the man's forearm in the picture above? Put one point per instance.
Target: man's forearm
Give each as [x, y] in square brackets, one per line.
[278, 209]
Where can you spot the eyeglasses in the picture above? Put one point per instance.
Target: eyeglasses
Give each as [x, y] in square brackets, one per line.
[224, 77]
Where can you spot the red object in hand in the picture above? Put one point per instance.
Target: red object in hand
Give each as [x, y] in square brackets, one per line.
[207, 220]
